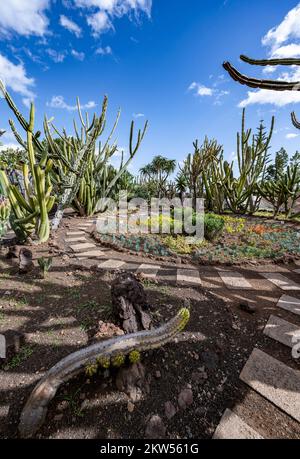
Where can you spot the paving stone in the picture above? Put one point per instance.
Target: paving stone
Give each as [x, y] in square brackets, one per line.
[75, 233]
[281, 281]
[75, 239]
[234, 280]
[148, 271]
[297, 271]
[290, 304]
[275, 381]
[112, 264]
[282, 331]
[232, 427]
[91, 254]
[189, 276]
[82, 247]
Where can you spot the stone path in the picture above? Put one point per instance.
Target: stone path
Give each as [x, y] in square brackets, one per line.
[272, 379]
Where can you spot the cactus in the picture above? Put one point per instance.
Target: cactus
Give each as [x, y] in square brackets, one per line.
[274, 85]
[252, 156]
[4, 214]
[284, 192]
[45, 264]
[103, 354]
[30, 208]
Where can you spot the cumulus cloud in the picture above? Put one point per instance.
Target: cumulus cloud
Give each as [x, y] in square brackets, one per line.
[289, 28]
[14, 77]
[24, 17]
[59, 102]
[262, 96]
[70, 25]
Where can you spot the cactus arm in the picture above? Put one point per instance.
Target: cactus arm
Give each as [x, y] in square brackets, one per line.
[261, 84]
[272, 62]
[112, 351]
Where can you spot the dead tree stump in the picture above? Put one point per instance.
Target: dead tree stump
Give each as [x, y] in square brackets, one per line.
[129, 303]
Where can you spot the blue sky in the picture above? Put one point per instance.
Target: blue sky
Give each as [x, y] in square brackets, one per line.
[159, 60]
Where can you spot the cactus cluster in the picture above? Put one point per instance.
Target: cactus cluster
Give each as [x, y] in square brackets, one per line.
[4, 214]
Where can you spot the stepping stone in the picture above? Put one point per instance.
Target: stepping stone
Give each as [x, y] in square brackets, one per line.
[82, 247]
[91, 254]
[112, 264]
[189, 276]
[76, 239]
[234, 280]
[148, 271]
[297, 271]
[275, 381]
[232, 427]
[75, 233]
[281, 281]
[289, 304]
[282, 331]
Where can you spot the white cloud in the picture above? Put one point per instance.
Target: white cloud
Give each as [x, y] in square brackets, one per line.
[278, 98]
[289, 28]
[138, 115]
[101, 21]
[106, 51]
[59, 102]
[14, 77]
[56, 56]
[291, 50]
[24, 17]
[291, 136]
[70, 25]
[200, 89]
[78, 54]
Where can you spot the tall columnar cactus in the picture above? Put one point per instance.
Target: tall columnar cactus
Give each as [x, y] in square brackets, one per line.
[30, 208]
[4, 214]
[252, 156]
[283, 192]
[274, 85]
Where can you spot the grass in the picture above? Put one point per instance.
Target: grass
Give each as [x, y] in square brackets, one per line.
[24, 354]
[73, 402]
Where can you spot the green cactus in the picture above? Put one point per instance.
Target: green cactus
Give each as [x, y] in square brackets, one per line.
[30, 209]
[45, 264]
[4, 214]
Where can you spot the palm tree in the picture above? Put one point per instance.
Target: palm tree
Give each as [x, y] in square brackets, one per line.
[158, 171]
[181, 186]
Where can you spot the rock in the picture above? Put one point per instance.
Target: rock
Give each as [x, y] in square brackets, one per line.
[158, 374]
[13, 252]
[129, 302]
[25, 261]
[132, 381]
[130, 407]
[155, 428]
[185, 398]
[247, 307]
[199, 377]
[58, 417]
[107, 330]
[170, 410]
[11, 342]
[62, 405]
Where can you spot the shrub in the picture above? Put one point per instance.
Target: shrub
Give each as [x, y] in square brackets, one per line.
[213, 226]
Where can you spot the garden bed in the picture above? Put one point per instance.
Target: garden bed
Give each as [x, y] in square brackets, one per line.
[243, 240]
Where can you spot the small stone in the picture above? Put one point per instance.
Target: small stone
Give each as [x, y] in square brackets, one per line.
[130, 407]
[158, 374]
[247, 307]
[155, 429]
[170, 410]
[58, 417]
[185, 398]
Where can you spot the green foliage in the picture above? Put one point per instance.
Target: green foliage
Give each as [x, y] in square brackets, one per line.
[233, 225]
[45, 264]
[213, 226]
[4, 214]
[156, 174]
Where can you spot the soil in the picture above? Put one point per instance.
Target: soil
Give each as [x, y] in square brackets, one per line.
[58, 316]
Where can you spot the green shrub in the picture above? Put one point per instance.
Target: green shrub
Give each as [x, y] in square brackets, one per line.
[213, 226]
